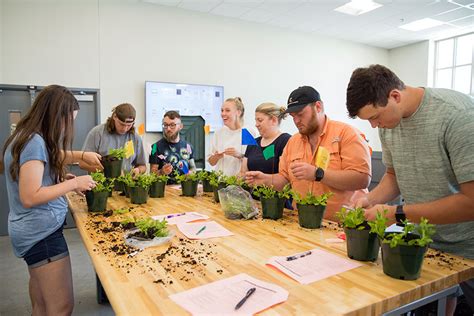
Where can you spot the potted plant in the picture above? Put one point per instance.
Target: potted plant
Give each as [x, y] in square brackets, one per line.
[189, 183]
[311, 208]
[139, 188]
[97, 197]
[157, 187]
[113, 162]
[148, 228]
[205, 177]
[362, 244]
[403, 252]
[217, 181]
[273, 202]
[125, 180]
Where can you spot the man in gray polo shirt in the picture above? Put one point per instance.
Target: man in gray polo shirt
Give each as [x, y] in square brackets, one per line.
[427, 138]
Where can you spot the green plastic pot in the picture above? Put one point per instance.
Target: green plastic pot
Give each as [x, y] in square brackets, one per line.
[157, 189]
[189, 187]
[273, 207]
[138, 195]
[216, 190]
[310, 216]
[402, 262]
[97, 201]
[361, 244]
[206, 186]
[112, 168]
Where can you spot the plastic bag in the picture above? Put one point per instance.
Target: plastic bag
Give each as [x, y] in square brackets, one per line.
[145, 243]
[237, 203]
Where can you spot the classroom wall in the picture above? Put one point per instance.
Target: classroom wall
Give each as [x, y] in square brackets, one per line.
[116, 45]
[411, 63]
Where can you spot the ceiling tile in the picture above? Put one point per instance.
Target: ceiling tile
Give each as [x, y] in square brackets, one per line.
[230, 10]
[201, 6]
[257, 15]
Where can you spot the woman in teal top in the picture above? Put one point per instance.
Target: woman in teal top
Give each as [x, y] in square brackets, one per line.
[34, 157]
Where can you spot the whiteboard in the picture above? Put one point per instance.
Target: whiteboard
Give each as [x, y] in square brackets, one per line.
[187, 99]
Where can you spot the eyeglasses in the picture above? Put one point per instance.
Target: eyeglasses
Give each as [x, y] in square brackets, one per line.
[172, 125]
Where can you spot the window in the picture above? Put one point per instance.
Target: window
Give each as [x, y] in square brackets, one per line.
[453, 63]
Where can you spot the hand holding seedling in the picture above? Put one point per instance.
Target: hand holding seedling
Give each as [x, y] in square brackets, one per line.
[371, 212]
[83, 183]
[232, 152]
[254, 177]
[167, 168]
[93, 159]
[303, 170]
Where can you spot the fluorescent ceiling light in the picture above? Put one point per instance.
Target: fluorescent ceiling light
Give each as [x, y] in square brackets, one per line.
[422, 24]
[358, 7]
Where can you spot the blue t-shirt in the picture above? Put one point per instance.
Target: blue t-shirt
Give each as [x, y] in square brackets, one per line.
[27, 226]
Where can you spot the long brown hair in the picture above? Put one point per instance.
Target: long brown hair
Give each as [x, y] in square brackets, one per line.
[52, 117]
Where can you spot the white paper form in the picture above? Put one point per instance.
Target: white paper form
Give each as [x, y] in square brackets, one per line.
[221, 297]
[312, 267]
[180, 218]
[203, 230]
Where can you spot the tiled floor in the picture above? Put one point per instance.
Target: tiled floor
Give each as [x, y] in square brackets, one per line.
[14, 298]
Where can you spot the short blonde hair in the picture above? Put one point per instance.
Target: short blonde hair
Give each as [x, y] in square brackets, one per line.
[239, 105]
[271, 109]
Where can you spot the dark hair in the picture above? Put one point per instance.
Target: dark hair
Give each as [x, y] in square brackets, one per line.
[52, 117]
[172, 115]
[370, 85]
[122, 111]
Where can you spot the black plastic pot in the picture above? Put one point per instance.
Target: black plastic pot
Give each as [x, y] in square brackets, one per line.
[206, 186]
[361, 244]
[112, 168]
[402, 262]
[157, 189]
[97, 201]
[310, 216]
[216, 189]
[189, 187]
[138, 195]
[273, 207]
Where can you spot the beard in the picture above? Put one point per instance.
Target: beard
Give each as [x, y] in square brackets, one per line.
[171, 137]
[312, 126]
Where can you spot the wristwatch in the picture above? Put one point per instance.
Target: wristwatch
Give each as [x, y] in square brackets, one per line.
[319, 174]
[400, 215]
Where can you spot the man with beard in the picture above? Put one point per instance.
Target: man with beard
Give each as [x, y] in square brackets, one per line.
[325, 156]
[171, 153]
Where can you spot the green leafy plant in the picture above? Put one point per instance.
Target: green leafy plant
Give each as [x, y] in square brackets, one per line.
[103, 184]
[264, 191]
[234, 180]
[121, 211]
[286, 192]
[311, 199]
[117, 153]
[412, 234]
[152, 228]
[352, 218]
[193, 176]
[142, 180]
[204, 175]
[158, 178]
[216, 177]
[126, 178]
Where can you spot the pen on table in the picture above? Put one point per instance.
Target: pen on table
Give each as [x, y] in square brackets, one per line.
[200, 230]
[290, 258]
[247, 295]
[174, 215]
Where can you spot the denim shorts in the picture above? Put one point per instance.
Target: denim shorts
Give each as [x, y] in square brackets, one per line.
[50, 249]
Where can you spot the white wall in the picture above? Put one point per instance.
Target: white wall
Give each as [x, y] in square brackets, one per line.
[117, 45]
[411, 63]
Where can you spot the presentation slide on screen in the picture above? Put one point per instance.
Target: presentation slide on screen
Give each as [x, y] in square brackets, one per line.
[187, 99]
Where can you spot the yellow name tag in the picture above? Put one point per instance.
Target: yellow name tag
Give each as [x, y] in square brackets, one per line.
[129, 150]
[322, 158]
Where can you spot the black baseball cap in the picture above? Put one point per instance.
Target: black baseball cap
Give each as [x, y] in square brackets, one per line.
[300, 98]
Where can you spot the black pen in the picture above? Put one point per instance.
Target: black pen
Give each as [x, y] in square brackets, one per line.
[242, 301]
[290, 258]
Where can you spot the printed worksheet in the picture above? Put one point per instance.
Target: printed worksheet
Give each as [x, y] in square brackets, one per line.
[181, 218]
[203, 230]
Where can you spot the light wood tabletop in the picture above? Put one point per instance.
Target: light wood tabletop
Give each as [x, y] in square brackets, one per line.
[140, 284]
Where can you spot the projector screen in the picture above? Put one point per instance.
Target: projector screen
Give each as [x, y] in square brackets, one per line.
[187, 99]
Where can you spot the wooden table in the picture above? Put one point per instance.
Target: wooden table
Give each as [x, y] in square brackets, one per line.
[141, 284]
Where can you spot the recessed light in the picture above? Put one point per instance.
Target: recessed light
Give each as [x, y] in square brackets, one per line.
[422, 24]
[358, 7]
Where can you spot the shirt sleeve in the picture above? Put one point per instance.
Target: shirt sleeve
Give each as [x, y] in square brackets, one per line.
[92, 140]
[140, 159]
[355, 153]
[35, 149]
[386, 154]
[460, 145]
[284, 164]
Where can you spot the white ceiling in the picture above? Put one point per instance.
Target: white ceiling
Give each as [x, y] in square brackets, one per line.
[376, 28]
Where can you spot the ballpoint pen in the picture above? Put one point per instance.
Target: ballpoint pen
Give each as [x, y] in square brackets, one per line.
[290, 258]
[200, 230]
[247, 295]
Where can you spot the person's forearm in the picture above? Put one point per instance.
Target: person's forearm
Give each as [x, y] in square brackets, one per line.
[276, 180]
[85, 166]
[346, 180]
[213, 159]
[72, 156]
[47, 193]
[141, 168]
[385, 191]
